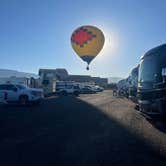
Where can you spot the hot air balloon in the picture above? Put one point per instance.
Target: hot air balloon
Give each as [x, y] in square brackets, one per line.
[87, 41]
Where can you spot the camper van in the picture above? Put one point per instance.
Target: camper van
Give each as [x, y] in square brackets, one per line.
[133, 83]
[123, 87]
[152, 82]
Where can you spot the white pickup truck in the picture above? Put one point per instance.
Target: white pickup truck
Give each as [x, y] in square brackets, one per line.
[18, 93]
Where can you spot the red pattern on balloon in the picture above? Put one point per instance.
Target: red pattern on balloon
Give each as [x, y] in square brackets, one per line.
[82, 36]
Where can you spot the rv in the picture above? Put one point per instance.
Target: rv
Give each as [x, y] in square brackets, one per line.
[133, 83]
[152, 82]
[123, 87]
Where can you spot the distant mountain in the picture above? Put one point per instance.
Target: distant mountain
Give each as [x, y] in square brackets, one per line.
[10, 73]
[114, 79]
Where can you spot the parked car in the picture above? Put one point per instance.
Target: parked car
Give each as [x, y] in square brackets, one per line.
[18, 93]
[68, 89]
[87, 90]
[98, 88]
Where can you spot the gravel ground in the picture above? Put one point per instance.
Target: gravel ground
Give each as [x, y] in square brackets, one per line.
[94, 129]
[122, 111]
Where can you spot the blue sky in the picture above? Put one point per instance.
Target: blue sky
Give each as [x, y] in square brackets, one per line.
[36, 33]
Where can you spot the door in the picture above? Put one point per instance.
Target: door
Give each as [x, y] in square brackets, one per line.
[12, 94]
[69, 88]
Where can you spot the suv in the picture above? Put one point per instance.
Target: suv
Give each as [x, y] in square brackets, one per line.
[68, 89]
[18, 93]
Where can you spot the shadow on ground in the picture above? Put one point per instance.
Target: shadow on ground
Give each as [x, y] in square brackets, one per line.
[67, 131]
[159, 124]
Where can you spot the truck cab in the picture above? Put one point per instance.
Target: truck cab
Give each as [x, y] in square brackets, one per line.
[18, 93]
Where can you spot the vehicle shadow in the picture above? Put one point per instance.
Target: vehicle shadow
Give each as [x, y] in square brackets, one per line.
[159, 124]
[68, 131]
[156, 121]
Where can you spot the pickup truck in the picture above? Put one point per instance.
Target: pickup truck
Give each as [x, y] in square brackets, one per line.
[18, 93]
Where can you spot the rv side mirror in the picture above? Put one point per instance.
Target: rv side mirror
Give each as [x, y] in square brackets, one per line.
[163, 71]
[164, 74]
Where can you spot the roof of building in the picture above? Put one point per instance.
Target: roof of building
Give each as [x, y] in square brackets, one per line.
[59, 70]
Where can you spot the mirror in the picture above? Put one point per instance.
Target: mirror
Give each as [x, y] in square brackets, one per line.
[164, 71]
[164, 74]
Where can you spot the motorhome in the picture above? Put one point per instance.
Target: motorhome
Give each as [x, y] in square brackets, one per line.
[133, 84]
[123, 87]
[152, 82]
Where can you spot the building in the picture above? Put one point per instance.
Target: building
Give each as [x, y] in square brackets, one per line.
[49, 77]
[103, 82]
[78, 78]
[61, 74]
[85, 78]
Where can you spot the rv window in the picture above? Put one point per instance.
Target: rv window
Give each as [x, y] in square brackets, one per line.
[45, 82]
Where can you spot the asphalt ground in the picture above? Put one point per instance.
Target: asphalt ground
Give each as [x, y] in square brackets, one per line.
[89, 130]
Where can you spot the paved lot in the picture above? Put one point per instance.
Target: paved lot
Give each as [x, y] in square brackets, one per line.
[90, 130]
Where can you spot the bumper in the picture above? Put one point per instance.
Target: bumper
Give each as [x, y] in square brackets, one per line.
[153, 107]
[36, 98]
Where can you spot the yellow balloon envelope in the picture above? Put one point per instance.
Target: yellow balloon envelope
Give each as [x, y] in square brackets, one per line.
[87, 41]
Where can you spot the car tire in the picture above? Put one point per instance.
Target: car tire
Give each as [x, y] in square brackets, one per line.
[76, 93]
[64, 93]
[38, 102]
[23, 100]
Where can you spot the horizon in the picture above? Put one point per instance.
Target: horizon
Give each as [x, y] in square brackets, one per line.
[114, 77]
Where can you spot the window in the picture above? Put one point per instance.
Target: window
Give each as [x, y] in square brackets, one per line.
[10, 87]
[3, 87]
[45, 82]
[21, 86]
[69, 86]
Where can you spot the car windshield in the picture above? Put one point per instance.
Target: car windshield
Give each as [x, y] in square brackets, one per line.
[21, 86]
[3, 87]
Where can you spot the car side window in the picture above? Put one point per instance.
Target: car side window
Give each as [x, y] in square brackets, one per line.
[11, 87]
[3, 87]
[69, 86]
